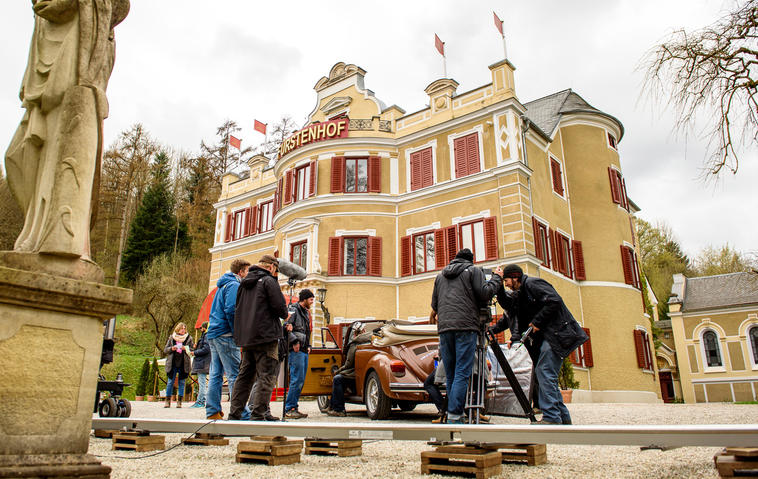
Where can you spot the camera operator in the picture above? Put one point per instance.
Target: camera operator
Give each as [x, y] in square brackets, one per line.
[260, 304]
[535, 303]
[460, 290]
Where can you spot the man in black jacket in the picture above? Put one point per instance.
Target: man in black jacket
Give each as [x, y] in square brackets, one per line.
[257, 329]
[460, 290]
[534, 302]
[299, 327]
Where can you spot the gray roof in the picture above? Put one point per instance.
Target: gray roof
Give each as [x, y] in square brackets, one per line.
[663, 324]
[723, 290]
[546, 112]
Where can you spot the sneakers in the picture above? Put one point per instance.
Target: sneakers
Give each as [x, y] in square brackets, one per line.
[294, 414]
[267, 417]
[218, 415]
[197, 404]
[333, 413]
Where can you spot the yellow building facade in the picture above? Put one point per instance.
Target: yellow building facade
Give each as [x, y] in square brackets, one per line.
[373, 201]
[714, 320]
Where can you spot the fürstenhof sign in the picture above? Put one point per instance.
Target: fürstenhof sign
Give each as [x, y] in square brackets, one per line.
[316, 132]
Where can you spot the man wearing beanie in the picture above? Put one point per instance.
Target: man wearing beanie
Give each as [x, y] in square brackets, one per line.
[460, 290]
[257, 329]
[299, 326]
[534, 302]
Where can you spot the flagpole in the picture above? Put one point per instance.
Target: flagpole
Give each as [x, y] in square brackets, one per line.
[505, 51]
[444, 66]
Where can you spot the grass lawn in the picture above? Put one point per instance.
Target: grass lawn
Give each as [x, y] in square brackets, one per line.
[134, 343]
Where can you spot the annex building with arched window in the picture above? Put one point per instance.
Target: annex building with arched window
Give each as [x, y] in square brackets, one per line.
[714, 321]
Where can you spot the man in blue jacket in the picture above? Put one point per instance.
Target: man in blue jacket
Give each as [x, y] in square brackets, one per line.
[225, 355]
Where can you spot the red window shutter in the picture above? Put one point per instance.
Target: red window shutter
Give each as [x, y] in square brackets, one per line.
[229, 227]
[406, 253]
[427, 169]
[278, 195]
[555, 168]
[631, 228]
[451, 243]
[374, 174]
[627, 264]
[416, 182]
[246, 227]
[579, 271]
[553, 263]
[313, 178]
[615, 188]
[253, 220]
[338, 174]
[587, 346]
[472, 153]
[335, 256]
[574, 357]
[439, 249]
[459, 151]
[374, 259]
[536, 233]
[490, 238]
[639, 346]
[624, 198]
[288, 184]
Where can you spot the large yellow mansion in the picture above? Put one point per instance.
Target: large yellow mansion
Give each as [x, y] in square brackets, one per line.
[373, 201]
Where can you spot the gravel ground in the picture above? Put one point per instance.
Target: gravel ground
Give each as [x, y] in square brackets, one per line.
[401, 459]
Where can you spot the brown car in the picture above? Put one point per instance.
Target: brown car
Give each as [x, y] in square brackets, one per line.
[389, 372]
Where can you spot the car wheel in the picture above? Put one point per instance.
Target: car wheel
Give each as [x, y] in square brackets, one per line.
[108, 408]
[323, 402]
[124, 408]
[407, 405]
[378, 405]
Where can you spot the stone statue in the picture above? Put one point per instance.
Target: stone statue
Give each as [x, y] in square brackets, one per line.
[53, 161]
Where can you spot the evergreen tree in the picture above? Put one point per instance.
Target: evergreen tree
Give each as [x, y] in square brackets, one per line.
[155, 229]
[143, 378]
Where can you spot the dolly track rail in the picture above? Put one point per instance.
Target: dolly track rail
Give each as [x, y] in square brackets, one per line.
[716, 435]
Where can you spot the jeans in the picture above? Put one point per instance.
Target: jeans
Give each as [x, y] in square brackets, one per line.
[202, 379]
[259, 364]
[339, 383]
[550, 399]
[175, 371]
[225, 357]
[434, 392]
[298, 362]
[457, 350]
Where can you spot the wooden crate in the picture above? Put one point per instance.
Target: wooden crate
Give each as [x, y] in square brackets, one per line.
[134, 441]
[737, 462]
[342, 448]
[106, 433]
[531, 454]
[206, 439]
[482, 463]
[271, 450]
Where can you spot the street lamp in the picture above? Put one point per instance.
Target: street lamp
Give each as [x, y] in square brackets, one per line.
[321, 298]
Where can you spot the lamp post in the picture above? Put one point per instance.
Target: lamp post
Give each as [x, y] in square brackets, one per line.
[321, 298]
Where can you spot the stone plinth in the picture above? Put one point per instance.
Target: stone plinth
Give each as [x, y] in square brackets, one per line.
[51, 334]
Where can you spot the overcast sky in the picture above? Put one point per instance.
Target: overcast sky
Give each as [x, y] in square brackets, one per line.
[184, 66]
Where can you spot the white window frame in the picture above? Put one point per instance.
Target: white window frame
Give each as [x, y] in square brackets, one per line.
[648, 349]
[608, 134]
[290, 240]
[431, 144]
[270, 219]
[233, 213]
[706, 368]
[479, 130]
[299, 195]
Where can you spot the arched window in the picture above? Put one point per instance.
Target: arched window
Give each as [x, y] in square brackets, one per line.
[753, 335]
[711, 346]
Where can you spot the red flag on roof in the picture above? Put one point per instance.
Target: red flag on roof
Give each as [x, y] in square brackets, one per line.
[260, 127]
[498, 23]
[235, 142]
[439, 44]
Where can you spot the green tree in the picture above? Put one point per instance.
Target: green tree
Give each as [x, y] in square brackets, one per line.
[661, 257]
[711, 261]
[154, 228]
[152, 387]
[11, 217]
[566, 375]
[143, 378]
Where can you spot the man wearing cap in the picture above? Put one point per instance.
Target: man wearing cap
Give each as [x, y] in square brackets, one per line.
[257, 330]
[534, 302]
[299, 327]
[460, 290]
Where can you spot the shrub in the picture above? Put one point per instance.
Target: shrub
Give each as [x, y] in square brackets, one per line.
[566, 375]
[144, 374]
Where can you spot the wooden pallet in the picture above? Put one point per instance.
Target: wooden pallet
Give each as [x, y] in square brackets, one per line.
[271, 450]
[482, 463]
[206, 439]
[342, 448]
[135, 441]
[737, 462]
[532, 454]
[106, 433]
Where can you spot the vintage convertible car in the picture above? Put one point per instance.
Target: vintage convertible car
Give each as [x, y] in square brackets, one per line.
[389, 372]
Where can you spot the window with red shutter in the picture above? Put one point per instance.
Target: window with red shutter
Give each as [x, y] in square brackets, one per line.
[587, 350]
[355, 255]
[472, 153]
[415, 170]
[424, 252]
[265, 216]
[229, 227]
[288, 187]
[247, 215]
[357, 175]
[338, 175]
[615, 186]
[553, 253]
[557, 176]
[374, 174]
[562, 254]
[239, 224]
[451, 243]
[466, 155]
[406, 252]
[459, 154]
[631, 267]
[611, 141]
[624, 198]
[422, 174]
[314, 178]
[335, 256]
[374, 254]
[471, 235]
[541, 242]
[642, 348]
[299, 254]
[440, 255]
[490, 238]
[578, 254]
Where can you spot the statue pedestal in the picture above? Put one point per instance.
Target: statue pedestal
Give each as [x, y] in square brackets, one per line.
[51, 335]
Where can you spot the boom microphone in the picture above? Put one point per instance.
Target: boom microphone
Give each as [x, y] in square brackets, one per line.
[291, 270]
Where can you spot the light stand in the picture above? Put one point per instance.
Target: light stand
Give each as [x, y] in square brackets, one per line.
[321, 298]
